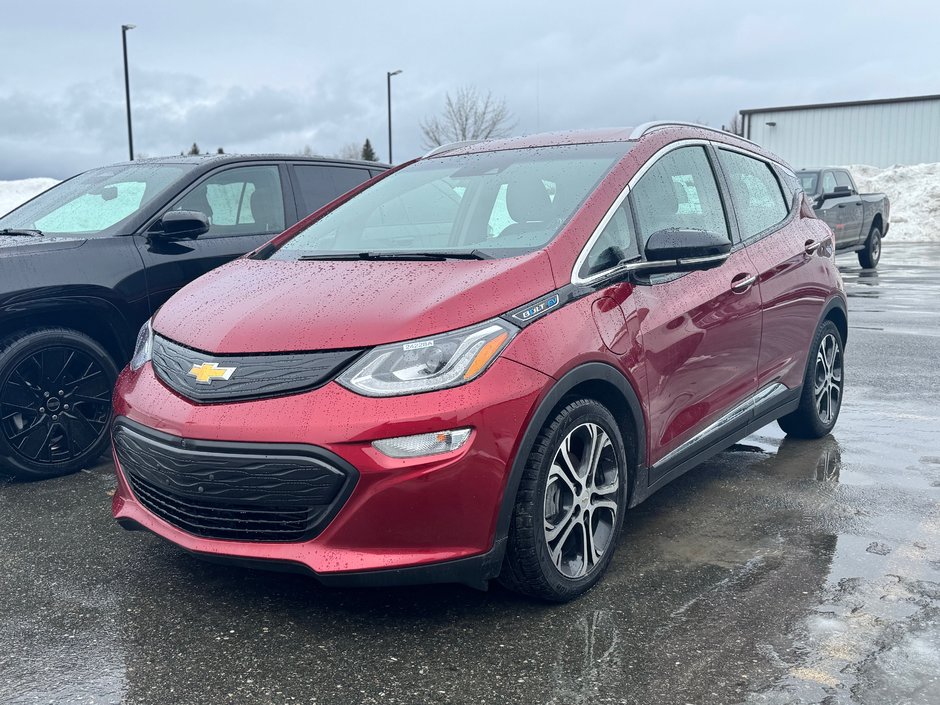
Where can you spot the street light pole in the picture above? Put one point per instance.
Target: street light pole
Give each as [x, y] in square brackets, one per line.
[127, 90]
[388, 79]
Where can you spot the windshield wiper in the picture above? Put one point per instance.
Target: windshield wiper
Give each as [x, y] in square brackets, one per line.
[377, 256]
[24, 232]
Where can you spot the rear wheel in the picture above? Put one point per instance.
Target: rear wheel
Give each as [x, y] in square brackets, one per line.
[823, 382]
[570, 505]
[55, 402]
[868, 256]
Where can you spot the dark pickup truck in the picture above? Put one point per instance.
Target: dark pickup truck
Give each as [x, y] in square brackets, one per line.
[858, 220]
[86, 263]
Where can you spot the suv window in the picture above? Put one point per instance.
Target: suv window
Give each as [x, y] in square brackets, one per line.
[759, 203]
[241, 201]
[842, 179]
[828, 182]
[616, 243]
[318, 184]
[679, 192]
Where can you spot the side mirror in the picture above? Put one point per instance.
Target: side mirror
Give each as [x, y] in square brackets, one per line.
[840, 192]
[676, 250]
[181, 225]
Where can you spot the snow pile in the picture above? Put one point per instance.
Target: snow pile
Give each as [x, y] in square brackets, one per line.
[13, 193]
[914, 192]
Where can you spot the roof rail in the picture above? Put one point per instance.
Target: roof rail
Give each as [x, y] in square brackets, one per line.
[646, 127]
[449, 147]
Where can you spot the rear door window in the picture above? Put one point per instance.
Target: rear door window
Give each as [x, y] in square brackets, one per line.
[759, 203]
[679, 192]
[318, 184]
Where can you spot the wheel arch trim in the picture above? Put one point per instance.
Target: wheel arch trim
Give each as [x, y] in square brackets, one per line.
[587, 372]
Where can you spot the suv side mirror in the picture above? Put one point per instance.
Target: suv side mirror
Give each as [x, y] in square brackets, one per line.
[675, 250]
[181, 225]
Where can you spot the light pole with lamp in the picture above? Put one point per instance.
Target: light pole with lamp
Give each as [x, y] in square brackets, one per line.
[388, 78]
[127, 90]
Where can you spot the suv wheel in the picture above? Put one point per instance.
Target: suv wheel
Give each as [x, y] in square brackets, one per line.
[823, 382]
[869, 256]
[570, 505]
[55, 402]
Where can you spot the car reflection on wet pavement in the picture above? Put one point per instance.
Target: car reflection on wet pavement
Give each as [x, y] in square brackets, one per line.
[779, 572]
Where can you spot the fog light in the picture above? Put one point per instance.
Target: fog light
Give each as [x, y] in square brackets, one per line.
[422, 444]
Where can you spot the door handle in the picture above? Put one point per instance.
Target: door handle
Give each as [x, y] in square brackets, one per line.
[858, 203]
[810, 246]
[841, 205]
[742, 282]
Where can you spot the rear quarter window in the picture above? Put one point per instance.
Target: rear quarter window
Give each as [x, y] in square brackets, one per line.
[318, 184]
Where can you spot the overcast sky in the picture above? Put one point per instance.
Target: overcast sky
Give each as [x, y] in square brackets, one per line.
[278, 76]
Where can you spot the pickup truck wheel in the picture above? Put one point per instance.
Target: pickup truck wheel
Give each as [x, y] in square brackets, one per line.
[55, 402]
[869, 256]
[569, 505]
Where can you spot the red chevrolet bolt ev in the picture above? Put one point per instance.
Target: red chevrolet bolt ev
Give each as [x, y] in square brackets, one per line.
[473, 367]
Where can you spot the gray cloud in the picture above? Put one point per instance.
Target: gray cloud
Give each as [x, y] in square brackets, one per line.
[248, 76]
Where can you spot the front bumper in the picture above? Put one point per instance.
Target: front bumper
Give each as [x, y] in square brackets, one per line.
[397, 521]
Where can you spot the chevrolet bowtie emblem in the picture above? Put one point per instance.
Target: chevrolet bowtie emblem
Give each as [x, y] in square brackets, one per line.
[208, 371]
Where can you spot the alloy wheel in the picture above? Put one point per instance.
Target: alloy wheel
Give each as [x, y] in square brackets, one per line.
[827, 378]
[580, 506]
[55, 404]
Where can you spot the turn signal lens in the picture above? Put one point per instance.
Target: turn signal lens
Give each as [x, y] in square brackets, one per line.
[422, 444]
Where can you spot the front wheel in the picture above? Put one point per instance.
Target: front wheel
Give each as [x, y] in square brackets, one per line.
[868, 256]
[823, 383]
[570, 505]
[55, 402]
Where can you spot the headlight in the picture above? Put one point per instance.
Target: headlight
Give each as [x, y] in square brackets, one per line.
[437, 362]
[144, 346]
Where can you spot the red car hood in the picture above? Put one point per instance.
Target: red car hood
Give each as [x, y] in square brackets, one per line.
[253, 306]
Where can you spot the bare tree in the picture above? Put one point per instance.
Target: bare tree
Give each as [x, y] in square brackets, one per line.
[735, 126]
[468, 115]
[350, 150]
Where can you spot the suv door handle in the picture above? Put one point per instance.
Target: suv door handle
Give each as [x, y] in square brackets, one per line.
[742, 282]
[810, 246]
[842, 205]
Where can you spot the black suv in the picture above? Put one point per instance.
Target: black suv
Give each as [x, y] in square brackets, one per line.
[83, 265]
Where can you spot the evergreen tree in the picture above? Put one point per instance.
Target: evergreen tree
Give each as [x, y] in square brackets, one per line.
[194, 150]
[368, 154]
[221, 151]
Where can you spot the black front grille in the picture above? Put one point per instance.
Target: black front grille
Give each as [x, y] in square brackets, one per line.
[251, 376]
[235, 491]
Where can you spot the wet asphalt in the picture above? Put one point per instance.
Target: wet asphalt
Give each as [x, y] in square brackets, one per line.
[779, 572]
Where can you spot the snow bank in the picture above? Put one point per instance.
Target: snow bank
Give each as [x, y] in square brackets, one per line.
[13, 193]
[914, 192]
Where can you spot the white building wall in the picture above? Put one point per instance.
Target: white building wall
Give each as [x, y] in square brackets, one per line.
[880, 134]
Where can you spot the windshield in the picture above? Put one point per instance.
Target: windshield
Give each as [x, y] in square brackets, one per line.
[497, 204]
[808, 181]
[96, 202]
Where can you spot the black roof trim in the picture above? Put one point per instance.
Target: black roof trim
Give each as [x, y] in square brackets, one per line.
[845, 104]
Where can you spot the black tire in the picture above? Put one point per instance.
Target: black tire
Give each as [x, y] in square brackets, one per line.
[529, 567]
[871, 254]
[55, 402]
[818, 411]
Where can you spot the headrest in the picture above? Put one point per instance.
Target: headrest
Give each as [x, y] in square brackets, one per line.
[528, 201]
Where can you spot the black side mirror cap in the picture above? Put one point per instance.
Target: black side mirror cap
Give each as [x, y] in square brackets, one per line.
[679, 250]
[181, 225]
